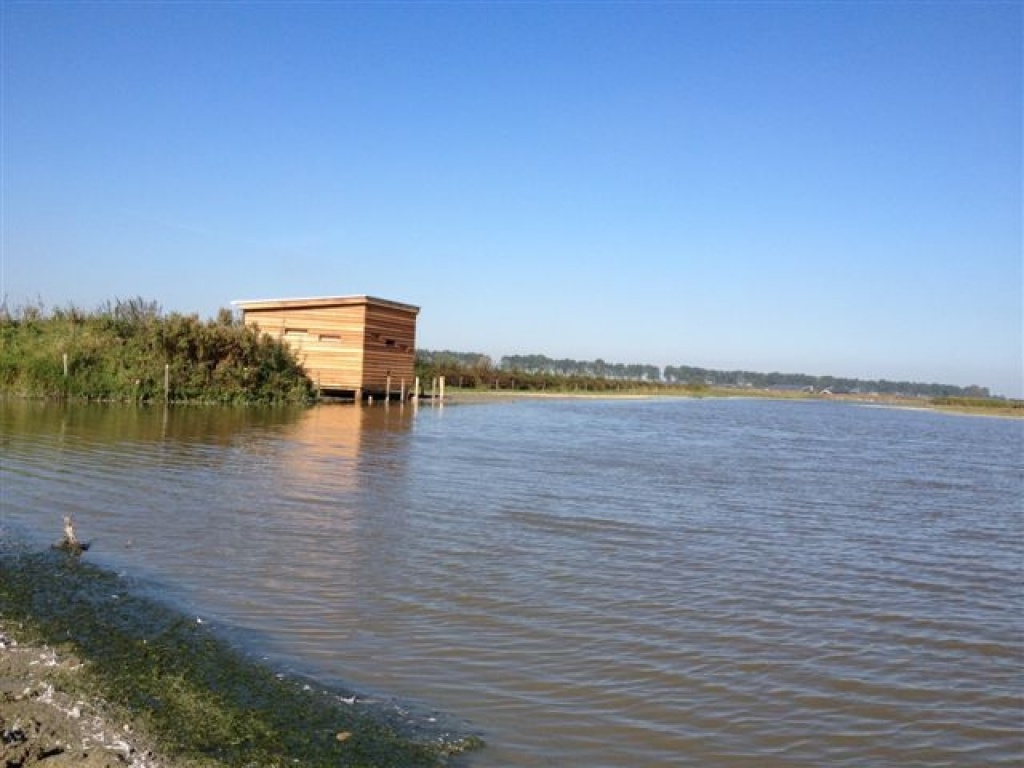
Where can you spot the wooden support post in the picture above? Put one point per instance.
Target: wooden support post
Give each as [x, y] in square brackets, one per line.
[440, 395]
[433, 386]
[167, 382]
[387, 389]
[65, 365]
[402, 395]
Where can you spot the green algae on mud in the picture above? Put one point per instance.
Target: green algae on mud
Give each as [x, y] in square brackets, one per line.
[196, 696]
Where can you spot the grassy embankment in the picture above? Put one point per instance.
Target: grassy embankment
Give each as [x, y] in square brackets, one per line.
[129, 350]
[196, 699]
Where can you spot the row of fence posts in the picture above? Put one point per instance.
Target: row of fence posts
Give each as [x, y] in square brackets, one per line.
[436, 390]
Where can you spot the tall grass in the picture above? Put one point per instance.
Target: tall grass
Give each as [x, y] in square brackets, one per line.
[126, 350]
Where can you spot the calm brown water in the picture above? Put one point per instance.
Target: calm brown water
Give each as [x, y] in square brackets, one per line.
[587, 583]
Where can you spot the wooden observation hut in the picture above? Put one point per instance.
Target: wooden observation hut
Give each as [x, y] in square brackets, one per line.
[349, 345]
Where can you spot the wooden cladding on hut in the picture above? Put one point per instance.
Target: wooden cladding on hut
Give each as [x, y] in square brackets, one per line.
[356, 344]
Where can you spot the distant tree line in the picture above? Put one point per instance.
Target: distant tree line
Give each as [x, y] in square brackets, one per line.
[474, 369]
[837, 385]
[592, 368]
[132, 350]
[478, 371]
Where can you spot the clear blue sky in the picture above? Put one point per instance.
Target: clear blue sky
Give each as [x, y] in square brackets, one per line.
[826, 188]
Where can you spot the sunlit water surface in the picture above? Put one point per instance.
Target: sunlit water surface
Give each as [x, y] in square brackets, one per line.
[586, 583]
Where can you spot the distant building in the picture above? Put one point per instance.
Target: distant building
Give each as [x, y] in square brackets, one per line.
[355, 345]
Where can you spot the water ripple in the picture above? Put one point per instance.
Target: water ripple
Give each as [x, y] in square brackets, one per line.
[706, 583]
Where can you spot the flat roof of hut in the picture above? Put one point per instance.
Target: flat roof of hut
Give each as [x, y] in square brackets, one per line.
[358, 345]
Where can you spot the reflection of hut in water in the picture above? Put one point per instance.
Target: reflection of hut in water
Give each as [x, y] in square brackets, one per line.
[327, 446]
[356, 345]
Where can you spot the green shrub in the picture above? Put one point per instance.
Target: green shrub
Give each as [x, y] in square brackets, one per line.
[121, 352]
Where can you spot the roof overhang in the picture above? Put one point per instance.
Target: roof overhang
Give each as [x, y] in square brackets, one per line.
[321, 302]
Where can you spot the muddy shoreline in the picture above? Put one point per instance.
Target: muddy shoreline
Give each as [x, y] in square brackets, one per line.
[92, 675]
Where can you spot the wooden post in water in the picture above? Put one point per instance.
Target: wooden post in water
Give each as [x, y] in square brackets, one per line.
[416, 389]
[433, 386]
[440, 395]
[402, 395]
[167, 382]
[387, 389]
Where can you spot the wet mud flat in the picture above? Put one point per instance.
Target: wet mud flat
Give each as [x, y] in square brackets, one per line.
[93, 675]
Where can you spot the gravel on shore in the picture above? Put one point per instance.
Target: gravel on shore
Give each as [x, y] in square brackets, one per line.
[47, 718]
